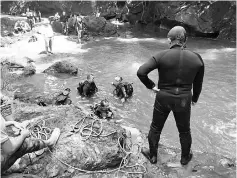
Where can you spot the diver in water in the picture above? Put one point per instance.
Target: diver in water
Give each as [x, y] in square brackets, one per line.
[123, 90]
[88, 87]
[63, 98]
[103, 110]
[179, 71]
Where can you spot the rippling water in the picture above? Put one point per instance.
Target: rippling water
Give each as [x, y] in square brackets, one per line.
[213, 120]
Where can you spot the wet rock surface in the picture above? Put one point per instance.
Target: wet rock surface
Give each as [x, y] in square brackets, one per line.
[28, 93]
[62, 67]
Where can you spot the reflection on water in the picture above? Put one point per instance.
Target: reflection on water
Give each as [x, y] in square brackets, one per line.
[213, 118]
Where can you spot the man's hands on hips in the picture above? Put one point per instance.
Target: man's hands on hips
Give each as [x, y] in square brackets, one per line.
[155, 89]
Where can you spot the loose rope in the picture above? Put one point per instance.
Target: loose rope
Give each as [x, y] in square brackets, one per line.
[89, 127]
[39, 129]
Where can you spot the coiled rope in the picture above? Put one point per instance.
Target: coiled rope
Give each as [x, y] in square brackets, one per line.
[90, 127]
[39, 130]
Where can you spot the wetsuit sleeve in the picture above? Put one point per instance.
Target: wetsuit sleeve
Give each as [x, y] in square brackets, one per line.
[94, 86]
[197, 83]
[144, 70]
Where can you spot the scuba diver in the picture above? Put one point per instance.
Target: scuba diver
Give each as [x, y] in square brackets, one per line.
[88, 87]
[123, 90]
[63, 98]
[103, 110]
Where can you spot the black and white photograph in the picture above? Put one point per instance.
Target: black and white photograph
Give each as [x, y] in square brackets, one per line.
[118, 89]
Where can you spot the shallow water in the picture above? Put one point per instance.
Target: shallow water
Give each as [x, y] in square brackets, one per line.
[213, 120]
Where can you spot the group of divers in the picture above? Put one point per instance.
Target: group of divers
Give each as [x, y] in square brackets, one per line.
[87, 88]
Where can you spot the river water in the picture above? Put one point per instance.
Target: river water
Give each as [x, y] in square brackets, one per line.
[213, 120]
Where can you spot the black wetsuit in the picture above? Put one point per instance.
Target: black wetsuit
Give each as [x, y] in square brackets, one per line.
[64, 18]
[178, 71]
[87, 88]
[121, 90]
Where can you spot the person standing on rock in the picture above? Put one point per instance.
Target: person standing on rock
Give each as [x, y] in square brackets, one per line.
[79, 27]
[39, 16]
[48, 35]
[13, 148]
[64, 21]
[179, 70]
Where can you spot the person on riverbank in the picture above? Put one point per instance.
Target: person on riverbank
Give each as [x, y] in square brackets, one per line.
[123, 90]
[88, 87]
[63, 98]
[21, 26]
[48, 35]
[13, 148]
[79, 27]
[64, 21]
[39, 16]
[31, 20]
[179, 71]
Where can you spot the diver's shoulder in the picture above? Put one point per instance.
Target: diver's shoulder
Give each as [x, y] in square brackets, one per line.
[197, 55]
[161, 53]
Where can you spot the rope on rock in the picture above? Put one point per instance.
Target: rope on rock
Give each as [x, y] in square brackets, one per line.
[39, 129]
[89, 127]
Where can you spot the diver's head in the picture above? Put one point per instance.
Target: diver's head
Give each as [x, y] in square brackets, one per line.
[104, 103]
[118, 79]
[90, 78]
[177, 36]
[66, 91]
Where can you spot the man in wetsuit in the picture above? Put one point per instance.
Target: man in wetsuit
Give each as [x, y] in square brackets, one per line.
[63, 98]
[88, 87]
[123, 90]
[179, 70]
[103, 110]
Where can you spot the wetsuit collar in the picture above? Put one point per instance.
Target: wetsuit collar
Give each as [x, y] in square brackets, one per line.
[176, 46]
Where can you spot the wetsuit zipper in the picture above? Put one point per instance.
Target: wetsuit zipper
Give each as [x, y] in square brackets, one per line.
[179, 71]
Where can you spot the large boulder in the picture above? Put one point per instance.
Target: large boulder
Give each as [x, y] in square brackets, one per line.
[29, 70]
[94, 153]
[62, 67]
[94, 24]
[99, 25]
[57, 26]
[28, 93]
[206, 18]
